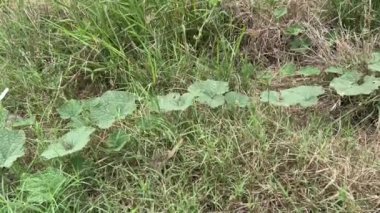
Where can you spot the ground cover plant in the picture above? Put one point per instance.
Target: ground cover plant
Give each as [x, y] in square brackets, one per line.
[189, 106]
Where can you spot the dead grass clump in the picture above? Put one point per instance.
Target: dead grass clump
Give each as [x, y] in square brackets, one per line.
[268, 43]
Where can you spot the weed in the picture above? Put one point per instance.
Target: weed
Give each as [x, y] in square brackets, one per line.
[109, 108]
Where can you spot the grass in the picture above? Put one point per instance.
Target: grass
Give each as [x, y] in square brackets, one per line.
[202, 160]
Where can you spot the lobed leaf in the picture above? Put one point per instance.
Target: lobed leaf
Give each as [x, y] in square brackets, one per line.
[304, 96]
[112, 106]
[3, 117]
[310, 71]
[280, 12]
[24, 122]
[42, 187]
[73, 141]
[174, 102]
[237, 99]
[11, 146]
[209, 87]
[374, 63]
[337, 70]
[288, 69]
[347, 84]
[212, 102]
[70, 109]
[209, 92]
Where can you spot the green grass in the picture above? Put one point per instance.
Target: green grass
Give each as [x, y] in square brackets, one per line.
[356, 14]
[261, 158]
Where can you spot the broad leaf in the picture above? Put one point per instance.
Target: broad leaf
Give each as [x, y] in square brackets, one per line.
[3, 117]
[209, 87]
[213, 102]
[237, 99]
[375, 67]
[304, 96]
[73, 141]
[77, 122]
[280, 12]
[11, 146]
[112, 106]
[310, 71]
[174, 102]
[295, 30]
[70, 109]
[288, 69]
[347, 84]
[117, 140]
[337, 70]
[43, 187]
[271, 97]
[374, 63]
[209, 92]
[24, 122]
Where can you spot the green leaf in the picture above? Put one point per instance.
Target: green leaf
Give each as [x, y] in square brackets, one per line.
[70, 109]
[3, 117]
[295, 30]
[213, 2]
[24, 122]
[237, 99]
[304, 96]
[374, 63]
[288, 69]
[77, 122]
[248, 70]
[43, 187]
[337, 70]
[375, 67]
[209, 87]
[73, 141]
[310, 71]
[375, 57]
[300, 45]
[117, 140]
[271, 97]
[209, 92]
[112, 106]
[212, 102]
[11, 146]
[280, 12]
[347, 84]
[174, 102]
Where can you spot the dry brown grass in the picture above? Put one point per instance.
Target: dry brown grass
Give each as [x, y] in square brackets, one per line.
[268, 44]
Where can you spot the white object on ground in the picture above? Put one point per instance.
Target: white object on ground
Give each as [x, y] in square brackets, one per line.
[4, 93]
